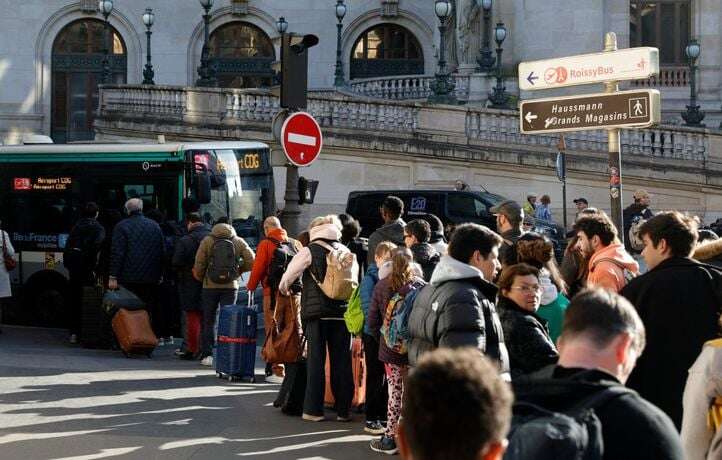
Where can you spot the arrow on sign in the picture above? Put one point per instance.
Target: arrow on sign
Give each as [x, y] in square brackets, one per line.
[531, 78]
[529, 117]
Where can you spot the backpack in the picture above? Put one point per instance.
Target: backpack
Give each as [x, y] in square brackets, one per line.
[395, 327]
[635, 239]
[576, 433]
[628, 275]
[223, 265]
[354, 314]
[282, 255]
[341, 272]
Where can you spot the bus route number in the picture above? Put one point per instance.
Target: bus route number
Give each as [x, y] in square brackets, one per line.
[250, 161]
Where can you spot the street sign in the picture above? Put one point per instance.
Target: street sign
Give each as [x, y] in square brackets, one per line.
[624, 109]
[583, 69]
[301, 138]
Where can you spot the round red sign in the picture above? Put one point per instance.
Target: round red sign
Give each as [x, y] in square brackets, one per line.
[301, 138]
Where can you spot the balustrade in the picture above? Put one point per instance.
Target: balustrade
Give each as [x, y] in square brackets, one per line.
[405, 87]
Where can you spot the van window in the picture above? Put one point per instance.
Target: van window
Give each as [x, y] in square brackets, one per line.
[463, 205]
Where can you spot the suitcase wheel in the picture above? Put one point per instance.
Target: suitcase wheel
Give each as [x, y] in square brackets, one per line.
[253, 380]
[230, 378]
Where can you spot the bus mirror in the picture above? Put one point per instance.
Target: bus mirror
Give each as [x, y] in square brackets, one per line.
[202, 184]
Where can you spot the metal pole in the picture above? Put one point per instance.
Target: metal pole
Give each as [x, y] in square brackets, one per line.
[339, 66]
[563, 155]
[486, 60]
[105, 74]
[148, 73]
[442, 57]
[615, 156]
[291, 214]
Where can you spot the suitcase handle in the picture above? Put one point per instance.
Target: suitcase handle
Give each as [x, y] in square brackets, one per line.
[251, 299]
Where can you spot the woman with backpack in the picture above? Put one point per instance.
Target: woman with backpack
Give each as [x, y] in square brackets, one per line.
[388, 300]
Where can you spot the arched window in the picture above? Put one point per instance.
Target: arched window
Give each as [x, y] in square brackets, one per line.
[663, 24]
[77, 64]
[386, 49]
[243, 55]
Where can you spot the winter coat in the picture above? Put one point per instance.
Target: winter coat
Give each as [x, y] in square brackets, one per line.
[264, 256]
[393, 231]
[184, 256]
[679, 301]
[527, 337]
[314, 303]
[456, 310]
[88, 236]
[553, 305]
[440, 245]
[543, 212]
[507, 251]
[137, 251]
[427, 257]
[366, 291]
[704, 385]
[205, 250]
[5, 290]
[605, 267]
[528, 208]
[631, 214]
[709, 252]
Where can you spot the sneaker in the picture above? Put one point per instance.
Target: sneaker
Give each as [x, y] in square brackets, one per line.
[179, 352]
[207, 361]
[73, 338]
[274, 379]
[384, 445]
[170, 340]
[374, 427]
[313, 418]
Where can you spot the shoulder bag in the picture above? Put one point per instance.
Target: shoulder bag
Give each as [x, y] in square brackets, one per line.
[9, 261]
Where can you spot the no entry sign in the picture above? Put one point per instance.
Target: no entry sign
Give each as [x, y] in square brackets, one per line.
[301, 138]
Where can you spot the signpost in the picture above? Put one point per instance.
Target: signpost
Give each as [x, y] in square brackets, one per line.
[301, 138]
[584, 69]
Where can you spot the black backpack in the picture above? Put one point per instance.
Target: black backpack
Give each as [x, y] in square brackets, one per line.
[223, 266]
[575, 433]
[282, 255]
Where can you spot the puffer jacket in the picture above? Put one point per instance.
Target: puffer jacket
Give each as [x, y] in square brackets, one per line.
[393, 231]
[137, 251]
[527, 337]
[366, 291]
[426, 256]
[607, 265]
[456, 310]
[184, 255]
[205, 251]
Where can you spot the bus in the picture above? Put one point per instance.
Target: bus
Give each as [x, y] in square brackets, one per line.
[43, 189]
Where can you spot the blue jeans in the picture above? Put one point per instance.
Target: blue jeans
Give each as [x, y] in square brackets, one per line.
[210, 299]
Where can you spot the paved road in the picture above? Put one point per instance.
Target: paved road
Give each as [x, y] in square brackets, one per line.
[64, 402]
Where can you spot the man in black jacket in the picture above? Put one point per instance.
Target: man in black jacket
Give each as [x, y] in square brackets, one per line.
[509, 220]
[393, 228]
[457, 308]
[600, 342]
[679, 301]
[416, 237]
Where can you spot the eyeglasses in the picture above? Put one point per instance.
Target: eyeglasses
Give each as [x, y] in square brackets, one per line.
[528, 289]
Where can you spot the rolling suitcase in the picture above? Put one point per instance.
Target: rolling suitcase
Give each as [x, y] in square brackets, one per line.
[235, 353]
[358, 368]
[134, 333]
[95, 330]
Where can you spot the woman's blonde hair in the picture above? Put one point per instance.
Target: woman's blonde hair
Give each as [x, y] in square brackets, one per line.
[401, 271]
[322, 220]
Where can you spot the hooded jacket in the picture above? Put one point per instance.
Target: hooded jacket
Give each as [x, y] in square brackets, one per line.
[456, 310]
[507, 251]
[393, 231]
[137, 250]
[607, 265]
[679, 302]
[366, 291]
[264, 256]
[709, 252]
[184, 255]
[426, 256]
[223, 231]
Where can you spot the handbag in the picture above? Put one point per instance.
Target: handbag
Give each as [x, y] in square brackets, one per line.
[121, 298]
[283, 344]
[8, 260]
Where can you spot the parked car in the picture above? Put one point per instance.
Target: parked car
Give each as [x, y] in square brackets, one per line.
[452, 207]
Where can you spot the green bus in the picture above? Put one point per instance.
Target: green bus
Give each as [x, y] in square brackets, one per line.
[43, 189]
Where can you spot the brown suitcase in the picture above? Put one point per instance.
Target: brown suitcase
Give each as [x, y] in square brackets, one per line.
[358, 368]
[134, 333]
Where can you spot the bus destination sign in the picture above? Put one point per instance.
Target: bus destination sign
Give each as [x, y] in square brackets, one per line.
[42, 183]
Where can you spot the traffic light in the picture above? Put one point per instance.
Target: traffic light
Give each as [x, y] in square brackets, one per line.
[294, 69]
[306, 190]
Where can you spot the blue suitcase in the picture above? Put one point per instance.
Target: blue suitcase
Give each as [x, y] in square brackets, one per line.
[235, 352]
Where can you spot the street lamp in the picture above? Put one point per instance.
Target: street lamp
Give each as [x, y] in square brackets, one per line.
[148, 74]
[105, 7]
[499, 97]
[486, 59]
[281, 25]
[693, 116]
[206, 71]
[340, 13]
[442, 87]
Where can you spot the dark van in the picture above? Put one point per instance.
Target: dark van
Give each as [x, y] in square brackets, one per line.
[453, 207]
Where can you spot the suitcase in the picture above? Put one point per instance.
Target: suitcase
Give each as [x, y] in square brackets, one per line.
[95, 330]
[134, 332]
[235, 353]
[358, 369]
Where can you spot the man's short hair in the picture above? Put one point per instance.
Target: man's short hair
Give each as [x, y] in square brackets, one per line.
[90, 209]
[511, 210]
[420, 229]
[455, 404]
[601, 315]
[678, 230]
[597, 225]
[468, 238]
[193, 217]
[134, 204]
[393, 206]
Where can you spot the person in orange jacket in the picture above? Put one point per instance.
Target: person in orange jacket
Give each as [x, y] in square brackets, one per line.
[276, 237]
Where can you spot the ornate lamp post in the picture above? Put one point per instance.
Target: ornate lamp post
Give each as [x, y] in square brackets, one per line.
[281, 27]
[206, 71]
[486, 59]
[499, 97]
[148, 74]
[693, 116]
[340, 13]
[105, 7]
[442, 88]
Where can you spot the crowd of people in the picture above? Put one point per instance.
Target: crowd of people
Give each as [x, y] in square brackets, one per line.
[456, 331]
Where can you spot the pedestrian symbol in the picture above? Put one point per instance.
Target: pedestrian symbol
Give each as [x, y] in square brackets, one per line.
[638, 107]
